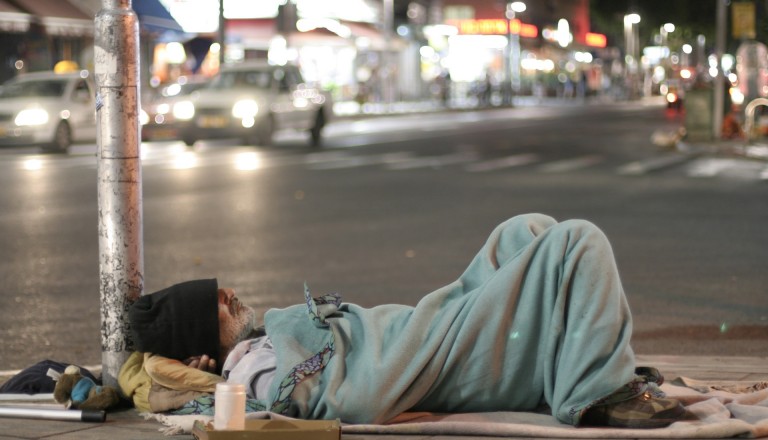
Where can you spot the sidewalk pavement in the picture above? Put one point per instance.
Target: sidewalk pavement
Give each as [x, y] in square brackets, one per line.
[126, 424]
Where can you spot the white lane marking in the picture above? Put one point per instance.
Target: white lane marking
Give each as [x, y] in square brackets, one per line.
[733, 168]
[433, 161]
[652, 164]
[359, 161]
[571, 164]
[328, 156]
[708, 168]
[503, 162]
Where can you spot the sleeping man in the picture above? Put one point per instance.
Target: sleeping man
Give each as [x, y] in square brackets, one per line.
[538, 319]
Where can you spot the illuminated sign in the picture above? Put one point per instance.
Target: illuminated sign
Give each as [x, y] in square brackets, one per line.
[495, 27]
[595, 40]
[523, 29]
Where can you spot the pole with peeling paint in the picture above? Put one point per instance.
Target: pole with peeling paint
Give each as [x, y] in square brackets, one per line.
[121, 261]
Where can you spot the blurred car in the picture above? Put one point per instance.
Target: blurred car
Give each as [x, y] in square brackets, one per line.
[48, 109]
[157, 120]
[251, 101]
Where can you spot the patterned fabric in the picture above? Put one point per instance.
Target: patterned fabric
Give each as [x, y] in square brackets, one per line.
[298, 374]
[204, 405]
[316, 363]
[330, 303]
[317, 309]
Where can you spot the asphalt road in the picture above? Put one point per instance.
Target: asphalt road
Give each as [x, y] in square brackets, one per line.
[391, 209]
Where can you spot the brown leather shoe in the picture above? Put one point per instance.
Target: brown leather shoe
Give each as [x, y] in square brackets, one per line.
[641, 412]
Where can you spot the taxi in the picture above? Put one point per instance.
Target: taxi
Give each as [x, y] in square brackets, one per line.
[48, 109]
[251, 101]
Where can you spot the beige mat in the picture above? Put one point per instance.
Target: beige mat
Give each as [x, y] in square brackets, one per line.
[722, 410]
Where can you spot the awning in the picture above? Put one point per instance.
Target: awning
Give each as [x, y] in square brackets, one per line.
[60, 18]
[317, 37]
[254, 33]
[154, 18]
[15, 22]
[52, 8]
[373, 36]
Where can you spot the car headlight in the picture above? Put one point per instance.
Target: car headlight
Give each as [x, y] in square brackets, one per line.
[31, 116]
[245, 109]
[184, 110]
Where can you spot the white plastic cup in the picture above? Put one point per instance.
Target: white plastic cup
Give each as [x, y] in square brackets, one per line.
[229, 408]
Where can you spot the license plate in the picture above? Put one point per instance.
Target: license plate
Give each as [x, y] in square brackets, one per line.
[163, 133]
[212, 121]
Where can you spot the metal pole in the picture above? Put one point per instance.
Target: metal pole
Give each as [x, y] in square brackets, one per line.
[719, 98]
[75, 415]
[121, 263]
[387, 71]
[222, 33]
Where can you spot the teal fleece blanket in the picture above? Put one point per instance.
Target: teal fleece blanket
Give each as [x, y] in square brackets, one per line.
[539, 317]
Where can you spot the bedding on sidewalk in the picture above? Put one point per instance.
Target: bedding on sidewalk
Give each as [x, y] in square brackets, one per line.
[717, 410]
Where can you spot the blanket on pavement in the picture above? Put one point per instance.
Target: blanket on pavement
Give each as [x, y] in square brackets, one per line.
[735, 409]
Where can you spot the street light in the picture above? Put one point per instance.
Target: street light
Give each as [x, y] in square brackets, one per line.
[664, 32]
[666, 29]
[515, 7]
[512, 71]
[631, 38]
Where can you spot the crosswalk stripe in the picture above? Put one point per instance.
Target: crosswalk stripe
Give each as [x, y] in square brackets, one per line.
[571, 164]
[707, 168]
[328, 156]
[433, 161]
[358, 161]
[248, 159]
[653, 164]
[727, 167]
[504, 162]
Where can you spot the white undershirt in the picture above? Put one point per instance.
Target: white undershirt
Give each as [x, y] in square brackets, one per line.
[252, 362]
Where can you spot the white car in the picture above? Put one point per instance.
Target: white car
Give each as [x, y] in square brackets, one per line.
[156, 117]
[250, 101]
[48, 109]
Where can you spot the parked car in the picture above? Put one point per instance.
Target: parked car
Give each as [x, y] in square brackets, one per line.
[48, 109]
[157, 120]
[250, 101]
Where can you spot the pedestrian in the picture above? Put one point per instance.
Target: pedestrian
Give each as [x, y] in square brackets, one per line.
[538, 318]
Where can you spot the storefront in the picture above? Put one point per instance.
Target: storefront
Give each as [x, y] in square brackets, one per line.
[485, 60]
[336, 43]
[37, 34]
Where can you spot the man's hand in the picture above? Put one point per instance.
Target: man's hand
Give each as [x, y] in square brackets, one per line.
[203, 363]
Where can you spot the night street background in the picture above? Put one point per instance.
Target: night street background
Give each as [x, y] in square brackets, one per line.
[391, 209]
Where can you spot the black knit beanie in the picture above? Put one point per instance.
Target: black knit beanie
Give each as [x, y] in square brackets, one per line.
[179, 321]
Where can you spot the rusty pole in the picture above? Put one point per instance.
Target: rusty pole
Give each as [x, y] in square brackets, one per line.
[121, 262]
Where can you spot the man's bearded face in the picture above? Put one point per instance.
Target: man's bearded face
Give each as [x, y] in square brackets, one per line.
[236, 320]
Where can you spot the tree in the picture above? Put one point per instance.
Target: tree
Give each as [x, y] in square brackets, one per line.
[690, 17]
